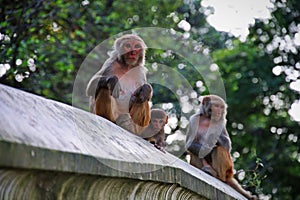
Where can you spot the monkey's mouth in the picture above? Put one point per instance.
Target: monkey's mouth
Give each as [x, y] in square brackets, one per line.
[132, 57]
[156, 127]
[133, 53]
[217, 115]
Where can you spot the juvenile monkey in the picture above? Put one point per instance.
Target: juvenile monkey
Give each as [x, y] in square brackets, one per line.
[119, 91]
[209, 144]
[155, 132]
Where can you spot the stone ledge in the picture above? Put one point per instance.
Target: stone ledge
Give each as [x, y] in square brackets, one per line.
[28, 184]
[40, 134]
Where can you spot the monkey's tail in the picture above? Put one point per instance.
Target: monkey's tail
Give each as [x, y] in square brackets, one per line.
[234, 184]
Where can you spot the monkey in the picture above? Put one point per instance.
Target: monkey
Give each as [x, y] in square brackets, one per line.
[119, 91]
[155, 132]
[209, 144]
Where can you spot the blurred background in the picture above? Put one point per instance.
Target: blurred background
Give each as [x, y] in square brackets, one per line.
[253, 44]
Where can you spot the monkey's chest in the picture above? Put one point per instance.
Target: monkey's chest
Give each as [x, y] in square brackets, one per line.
[128, 85]
[208, 132]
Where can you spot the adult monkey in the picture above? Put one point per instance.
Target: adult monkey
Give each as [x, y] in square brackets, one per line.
[155, 132]
[119, 91]
[209, 144]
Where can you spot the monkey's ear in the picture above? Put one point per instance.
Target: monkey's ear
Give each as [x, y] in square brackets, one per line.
[117, 44]
[167, 117]
[206, 100]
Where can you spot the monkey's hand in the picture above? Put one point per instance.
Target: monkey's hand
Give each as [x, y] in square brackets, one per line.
[111, 83]
[195, 148]
[254, 197]
[155, 144]
[141, 94]
[160, 148]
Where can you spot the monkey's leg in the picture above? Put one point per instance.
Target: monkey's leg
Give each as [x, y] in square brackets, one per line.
[195, 161]
[157, 141]
[103, 98]
[139, 108]
[234, 184]
[222, 163]
[140, 114]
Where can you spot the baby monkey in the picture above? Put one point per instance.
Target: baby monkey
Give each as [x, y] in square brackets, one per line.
[155, 132]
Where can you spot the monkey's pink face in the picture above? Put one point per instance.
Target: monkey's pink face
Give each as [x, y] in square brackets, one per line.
[131, 50]
[157, 123]
[217, 111]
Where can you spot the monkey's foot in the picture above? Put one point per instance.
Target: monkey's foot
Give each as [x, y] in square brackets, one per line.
[125, 121]
[253, 197]
[160, 148]
[142, 94]
[110, 83]
[209, 170]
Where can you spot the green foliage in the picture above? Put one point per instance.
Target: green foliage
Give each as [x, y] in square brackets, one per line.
[263, 127]
[43, 44]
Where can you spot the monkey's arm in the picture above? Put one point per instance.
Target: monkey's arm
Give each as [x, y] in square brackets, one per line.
[125, 121]
[194, 148]
[106, 70]
[139, 108]
[224, 140]
[191, 131]
[161, 138]
[149, 132]
[197, 148]
[158, 140]
[191, 145]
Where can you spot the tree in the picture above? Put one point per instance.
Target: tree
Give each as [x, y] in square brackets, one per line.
[255, 87]
[44, 43]
[48, 41]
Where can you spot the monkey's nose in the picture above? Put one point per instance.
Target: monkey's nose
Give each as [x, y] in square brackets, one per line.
[133, 52]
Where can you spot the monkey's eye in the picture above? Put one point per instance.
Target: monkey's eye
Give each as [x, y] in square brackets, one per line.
[137, 46]
[127, 45]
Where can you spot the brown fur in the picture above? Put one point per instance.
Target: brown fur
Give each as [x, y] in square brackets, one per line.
[234, 184]
[222, 163]
[122, 72]
[155, 133]
[101, 109]
[140, 114]
[212, 120]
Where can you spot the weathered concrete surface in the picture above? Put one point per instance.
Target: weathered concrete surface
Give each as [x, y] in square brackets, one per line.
[33, 185]
[41, 136]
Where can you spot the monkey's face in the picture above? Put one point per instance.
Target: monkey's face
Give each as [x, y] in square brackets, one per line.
[157, 123]
[217, 111]
[131, 52]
